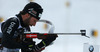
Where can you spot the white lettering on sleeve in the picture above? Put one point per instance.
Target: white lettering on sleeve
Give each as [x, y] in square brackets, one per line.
[10, 27]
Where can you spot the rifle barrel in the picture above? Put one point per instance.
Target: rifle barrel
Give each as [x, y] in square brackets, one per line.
[64, 33]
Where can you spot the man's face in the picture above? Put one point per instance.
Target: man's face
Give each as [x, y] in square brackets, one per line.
[32, 21]
[29, 20]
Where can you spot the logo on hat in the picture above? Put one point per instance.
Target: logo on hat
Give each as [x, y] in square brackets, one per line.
[32, 12]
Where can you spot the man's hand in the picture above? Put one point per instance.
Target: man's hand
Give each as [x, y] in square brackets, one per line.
[49, 39]
[34, 48]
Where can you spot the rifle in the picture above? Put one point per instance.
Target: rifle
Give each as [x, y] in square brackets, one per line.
[44, 35]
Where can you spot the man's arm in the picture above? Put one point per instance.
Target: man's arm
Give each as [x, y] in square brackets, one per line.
[8, 29]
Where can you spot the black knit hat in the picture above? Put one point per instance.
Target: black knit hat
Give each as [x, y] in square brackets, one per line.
[33, 9]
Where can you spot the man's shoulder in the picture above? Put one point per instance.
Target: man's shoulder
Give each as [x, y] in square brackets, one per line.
[11, 23]
[13, 19]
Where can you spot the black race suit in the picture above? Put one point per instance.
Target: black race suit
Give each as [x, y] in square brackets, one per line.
[10, 31]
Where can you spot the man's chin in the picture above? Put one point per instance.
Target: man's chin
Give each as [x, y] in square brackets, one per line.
[32, 25]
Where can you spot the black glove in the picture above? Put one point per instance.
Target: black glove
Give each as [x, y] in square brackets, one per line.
[33, 48]
[27, 45]
[47, 41]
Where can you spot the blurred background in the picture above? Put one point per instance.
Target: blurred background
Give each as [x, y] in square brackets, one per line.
[68, 16]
